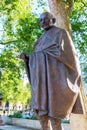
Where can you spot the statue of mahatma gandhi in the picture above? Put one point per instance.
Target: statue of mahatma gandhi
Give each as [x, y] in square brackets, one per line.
[54, 74]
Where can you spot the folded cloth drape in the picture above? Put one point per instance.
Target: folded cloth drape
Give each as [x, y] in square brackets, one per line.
[54, 73]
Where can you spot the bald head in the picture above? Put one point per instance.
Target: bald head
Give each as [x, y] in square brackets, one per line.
[47, 14]
[46, 20]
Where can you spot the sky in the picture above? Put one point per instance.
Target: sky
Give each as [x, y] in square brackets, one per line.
[40, 9]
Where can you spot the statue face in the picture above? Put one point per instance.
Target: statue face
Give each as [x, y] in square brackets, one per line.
[45, 21]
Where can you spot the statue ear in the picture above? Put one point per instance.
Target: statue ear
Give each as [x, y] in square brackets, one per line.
[53, 20]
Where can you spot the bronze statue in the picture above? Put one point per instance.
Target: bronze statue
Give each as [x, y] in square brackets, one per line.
[54, 74]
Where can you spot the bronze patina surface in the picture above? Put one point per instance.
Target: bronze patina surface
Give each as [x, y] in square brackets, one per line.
[54, 72]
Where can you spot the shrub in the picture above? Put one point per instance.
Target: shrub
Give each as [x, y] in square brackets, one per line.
[16, 115]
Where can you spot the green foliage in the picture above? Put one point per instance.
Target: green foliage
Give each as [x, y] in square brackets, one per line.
[14, 90]
[32, 118]
[79, 27]
[21, 27]
[16, 115]
[66, 121]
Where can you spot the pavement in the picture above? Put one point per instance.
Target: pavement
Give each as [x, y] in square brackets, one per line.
[10, 127]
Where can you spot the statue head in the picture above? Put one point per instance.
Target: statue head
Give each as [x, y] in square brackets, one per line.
[46, 20]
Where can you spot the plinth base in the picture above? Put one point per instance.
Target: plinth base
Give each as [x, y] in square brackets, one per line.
[78, 121]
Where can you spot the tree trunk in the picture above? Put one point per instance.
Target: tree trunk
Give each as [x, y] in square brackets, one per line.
[61, 11]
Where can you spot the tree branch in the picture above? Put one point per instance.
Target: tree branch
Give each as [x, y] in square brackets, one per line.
[71, 3]
[7, 42]
[70, 7]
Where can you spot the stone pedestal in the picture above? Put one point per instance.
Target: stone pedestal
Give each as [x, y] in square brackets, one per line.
[78, 121]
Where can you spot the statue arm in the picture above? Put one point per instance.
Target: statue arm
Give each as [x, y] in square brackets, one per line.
[24, 56]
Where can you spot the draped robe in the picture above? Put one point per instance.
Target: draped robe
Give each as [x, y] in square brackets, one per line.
[54, 73]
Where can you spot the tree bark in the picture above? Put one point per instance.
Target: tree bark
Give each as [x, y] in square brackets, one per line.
[61, 11]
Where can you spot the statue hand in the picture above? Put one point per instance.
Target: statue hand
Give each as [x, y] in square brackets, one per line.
[22, 56]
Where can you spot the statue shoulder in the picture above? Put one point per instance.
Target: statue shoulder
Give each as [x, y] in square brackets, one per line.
[37, 41]
[58, 30]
